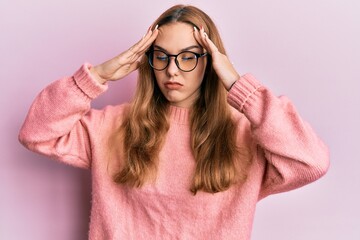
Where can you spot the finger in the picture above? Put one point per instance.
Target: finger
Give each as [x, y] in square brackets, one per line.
[135, 48]
[149, 41]
[203, 37]
[198, 38]
[211, 46]
[142, 49]
[135, 65]
[139, 48]
[205, 41]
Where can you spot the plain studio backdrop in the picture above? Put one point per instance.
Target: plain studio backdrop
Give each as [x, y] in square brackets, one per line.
[308, 50]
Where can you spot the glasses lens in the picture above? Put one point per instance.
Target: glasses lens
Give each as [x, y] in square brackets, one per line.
[159, 60]
[187, 61]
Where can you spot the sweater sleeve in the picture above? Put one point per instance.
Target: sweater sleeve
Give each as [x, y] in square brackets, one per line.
[60, 123]
[295, 155]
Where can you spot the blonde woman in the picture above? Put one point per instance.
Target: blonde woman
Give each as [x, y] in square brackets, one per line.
[195, 150]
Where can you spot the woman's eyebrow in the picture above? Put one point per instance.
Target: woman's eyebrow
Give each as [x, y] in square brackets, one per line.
[184, 49]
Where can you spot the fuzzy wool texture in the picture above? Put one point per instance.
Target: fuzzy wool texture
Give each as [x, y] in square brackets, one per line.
[287, 154]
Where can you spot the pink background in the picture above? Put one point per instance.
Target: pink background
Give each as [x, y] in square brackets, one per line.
[308, 50]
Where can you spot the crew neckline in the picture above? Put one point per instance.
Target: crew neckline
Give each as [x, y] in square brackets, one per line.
[179, 115]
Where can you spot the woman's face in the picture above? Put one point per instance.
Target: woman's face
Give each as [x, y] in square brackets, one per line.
[180, 88]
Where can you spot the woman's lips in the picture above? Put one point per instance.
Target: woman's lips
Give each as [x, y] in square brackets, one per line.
[173, 85]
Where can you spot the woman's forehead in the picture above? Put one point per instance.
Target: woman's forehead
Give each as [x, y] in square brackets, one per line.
[176, 36]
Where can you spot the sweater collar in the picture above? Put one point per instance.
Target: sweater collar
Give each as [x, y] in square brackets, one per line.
[179, 115]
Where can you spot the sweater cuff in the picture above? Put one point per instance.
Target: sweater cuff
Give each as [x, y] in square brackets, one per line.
[87, 83]
[242, 91]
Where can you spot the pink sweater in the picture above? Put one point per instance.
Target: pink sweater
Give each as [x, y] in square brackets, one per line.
[287, 154]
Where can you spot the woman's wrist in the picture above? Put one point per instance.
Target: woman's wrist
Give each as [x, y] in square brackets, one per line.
[95, 74]
[232, 85]
[229, 83]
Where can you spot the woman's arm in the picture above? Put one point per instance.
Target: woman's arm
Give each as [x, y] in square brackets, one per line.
[295, 155]
[59, 122]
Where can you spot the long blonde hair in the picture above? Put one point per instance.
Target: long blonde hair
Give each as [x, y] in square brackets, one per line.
[213, 139]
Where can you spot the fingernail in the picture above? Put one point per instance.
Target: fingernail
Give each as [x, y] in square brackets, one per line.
[156, 27]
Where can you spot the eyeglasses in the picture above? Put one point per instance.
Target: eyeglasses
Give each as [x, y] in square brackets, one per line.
[186, 61]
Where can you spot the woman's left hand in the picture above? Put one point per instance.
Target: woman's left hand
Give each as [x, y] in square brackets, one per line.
[221, 63]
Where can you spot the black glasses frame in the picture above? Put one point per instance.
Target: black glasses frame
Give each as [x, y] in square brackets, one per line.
[150, 52]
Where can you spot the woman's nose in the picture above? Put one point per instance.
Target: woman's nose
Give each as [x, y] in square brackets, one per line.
[172, 68]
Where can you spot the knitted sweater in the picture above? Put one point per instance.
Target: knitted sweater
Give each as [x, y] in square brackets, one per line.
[286, 152]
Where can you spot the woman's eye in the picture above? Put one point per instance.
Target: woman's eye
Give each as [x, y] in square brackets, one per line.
[187, 58]
[161, 58]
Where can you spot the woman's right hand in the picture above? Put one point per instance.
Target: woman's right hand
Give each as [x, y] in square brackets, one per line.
[125, 63]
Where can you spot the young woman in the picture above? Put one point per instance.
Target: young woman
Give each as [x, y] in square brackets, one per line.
[194, 151]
